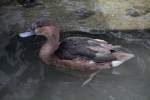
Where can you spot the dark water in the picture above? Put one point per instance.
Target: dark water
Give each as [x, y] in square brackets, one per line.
[23, 76]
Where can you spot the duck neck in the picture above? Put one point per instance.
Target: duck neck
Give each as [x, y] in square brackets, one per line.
[51, 45]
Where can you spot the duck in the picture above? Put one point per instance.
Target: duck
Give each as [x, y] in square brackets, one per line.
[75, 52]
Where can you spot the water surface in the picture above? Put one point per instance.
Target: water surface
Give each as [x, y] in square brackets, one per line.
[23, 76]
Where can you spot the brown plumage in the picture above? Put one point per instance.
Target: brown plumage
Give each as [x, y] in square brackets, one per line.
[80, 53]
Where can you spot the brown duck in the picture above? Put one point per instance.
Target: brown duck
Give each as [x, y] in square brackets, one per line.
[77, 53]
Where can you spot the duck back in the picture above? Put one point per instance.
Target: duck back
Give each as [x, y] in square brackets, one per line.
[84, 47]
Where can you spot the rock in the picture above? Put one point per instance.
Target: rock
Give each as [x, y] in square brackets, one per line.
[125, 14]
[83, 13]
[132, 12]
[78, 15]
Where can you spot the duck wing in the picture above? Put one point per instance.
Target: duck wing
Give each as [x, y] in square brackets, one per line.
[84, 47]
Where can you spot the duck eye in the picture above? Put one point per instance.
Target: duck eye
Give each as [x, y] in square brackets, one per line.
[40, 26]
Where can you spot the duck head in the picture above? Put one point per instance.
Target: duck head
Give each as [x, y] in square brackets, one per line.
[44, 27]
[47, 28]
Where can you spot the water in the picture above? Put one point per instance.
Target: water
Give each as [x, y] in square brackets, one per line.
[23, 76]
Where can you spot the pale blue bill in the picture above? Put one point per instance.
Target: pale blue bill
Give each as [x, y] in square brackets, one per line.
[26, 34]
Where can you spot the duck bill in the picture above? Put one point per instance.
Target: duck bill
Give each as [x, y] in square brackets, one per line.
[26, 34]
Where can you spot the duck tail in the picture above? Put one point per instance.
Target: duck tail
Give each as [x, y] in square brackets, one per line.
[121, 57]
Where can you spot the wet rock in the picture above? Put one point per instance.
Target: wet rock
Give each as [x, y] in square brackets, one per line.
[125, 14]
[132, 12]
[138, 11]
[78, 15]
[83, 13]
